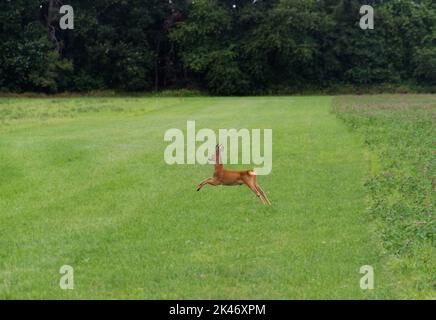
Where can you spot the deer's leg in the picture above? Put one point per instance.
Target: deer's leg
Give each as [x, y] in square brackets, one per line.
[253, 188]
[210, 181]
[202, 183]
[262, 193]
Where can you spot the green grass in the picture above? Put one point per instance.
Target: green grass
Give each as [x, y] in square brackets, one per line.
[400, 131]
[83, 182]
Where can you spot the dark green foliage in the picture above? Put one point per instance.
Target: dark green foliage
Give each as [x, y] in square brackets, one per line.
[114, 45]
[224, 46]
[424, 60]
[27, 61]
[207, 47]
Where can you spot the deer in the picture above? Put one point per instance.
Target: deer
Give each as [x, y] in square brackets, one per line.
[225, 177]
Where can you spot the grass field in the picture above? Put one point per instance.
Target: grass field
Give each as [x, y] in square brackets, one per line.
[400, 132]
[83, 182]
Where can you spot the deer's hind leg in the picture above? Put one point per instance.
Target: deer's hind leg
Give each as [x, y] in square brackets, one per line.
[262, 193]
[252, 186]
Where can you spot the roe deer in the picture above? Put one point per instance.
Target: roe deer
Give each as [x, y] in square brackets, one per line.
[225, 177]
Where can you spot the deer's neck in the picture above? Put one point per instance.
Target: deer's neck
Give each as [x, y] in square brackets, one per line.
[218, 163]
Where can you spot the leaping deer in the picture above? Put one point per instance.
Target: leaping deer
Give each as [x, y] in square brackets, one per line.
[225, 177]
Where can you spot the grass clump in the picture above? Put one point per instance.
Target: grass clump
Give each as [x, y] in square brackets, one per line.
[399, 130]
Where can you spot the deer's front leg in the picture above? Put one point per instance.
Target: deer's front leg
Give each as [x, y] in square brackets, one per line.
[203, 183]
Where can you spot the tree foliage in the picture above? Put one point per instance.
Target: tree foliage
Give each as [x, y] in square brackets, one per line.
[224, 46]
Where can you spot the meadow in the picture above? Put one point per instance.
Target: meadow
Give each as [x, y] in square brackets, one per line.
[400, 132]
[83, 183]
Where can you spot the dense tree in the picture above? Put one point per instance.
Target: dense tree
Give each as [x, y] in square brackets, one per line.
[27, 61]
[116, 43]
[208, 48]
[285, 48]
[224, 46]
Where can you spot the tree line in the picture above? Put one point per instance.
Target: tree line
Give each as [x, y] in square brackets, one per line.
[224, 46]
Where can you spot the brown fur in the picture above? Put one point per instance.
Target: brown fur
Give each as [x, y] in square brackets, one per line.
[225, 177]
